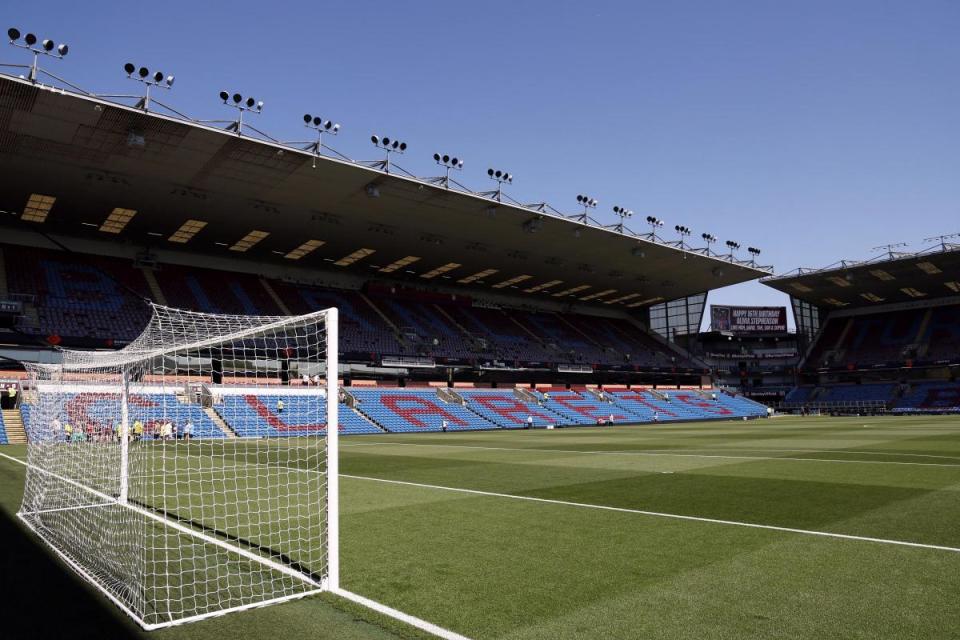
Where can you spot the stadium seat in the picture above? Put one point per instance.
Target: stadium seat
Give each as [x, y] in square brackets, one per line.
[256, 416]
[504, 409]
[412, 410]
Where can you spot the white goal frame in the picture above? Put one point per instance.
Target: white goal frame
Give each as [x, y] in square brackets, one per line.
[45, 478]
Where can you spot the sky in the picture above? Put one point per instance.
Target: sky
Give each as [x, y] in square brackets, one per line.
[812, 130]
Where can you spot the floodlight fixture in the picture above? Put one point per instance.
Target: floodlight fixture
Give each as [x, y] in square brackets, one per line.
[683, 231]
[623, 213]
[47, 47]
[448, 162]
[655, 223]
[388, 146]
[143, 75]
[587, 202]
[237, 102]
[501, 177]
[942, 240]
[733, 246]
[321, 126]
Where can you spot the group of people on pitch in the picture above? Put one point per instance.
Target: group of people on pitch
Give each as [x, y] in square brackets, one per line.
[110, 432]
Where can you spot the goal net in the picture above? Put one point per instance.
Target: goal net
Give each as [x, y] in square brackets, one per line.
[191, 473]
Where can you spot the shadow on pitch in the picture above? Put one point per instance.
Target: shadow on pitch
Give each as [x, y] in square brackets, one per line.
[43, 598]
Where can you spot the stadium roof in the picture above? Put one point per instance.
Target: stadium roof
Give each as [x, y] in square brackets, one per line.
[83, 165]
[893, 277]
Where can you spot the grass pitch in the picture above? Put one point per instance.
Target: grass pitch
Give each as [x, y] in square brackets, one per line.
[705, 530]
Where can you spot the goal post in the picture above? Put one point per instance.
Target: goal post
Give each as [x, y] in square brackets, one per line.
[193, 472]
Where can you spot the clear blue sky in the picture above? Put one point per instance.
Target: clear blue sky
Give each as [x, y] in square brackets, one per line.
[814, 130]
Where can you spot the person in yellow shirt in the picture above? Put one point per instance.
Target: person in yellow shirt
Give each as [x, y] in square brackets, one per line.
[137, 430]
[68, 431]
[279, 406]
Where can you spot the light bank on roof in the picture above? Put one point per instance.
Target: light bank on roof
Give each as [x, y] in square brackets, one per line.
[80, 164]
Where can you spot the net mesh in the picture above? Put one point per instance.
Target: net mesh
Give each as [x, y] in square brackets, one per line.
[138, 478]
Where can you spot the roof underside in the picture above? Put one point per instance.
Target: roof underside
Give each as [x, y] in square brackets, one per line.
[95, 157]
[927, 275]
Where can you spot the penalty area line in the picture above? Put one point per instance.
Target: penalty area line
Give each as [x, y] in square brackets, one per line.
[411, 620]
[659, 514]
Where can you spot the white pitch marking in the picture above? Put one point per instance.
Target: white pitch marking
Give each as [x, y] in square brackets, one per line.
[651, 454]
[414, 621]
[658, 514]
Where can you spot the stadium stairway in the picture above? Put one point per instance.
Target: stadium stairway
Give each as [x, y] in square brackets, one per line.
[276, 298]
[154, 286]
[12, 425]
[217, 420]
[3, 277]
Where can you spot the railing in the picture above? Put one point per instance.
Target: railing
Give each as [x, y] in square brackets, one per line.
[412, 362]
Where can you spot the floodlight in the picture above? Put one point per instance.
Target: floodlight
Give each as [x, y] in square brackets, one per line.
[46, 47]
[389, 145]
[144, 72]
[490, 172]
[241, 105]
[448, 162]
[129, 68]
[158, 76]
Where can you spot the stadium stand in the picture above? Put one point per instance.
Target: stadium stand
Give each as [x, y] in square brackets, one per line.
[505, 409]
[800, 394]
[407, 410]
[3, 431]
[891, 337]
[686, 405]
[79, 298]
[212, 291]
[857, 392]
[942, 335]
[256, 416]
[581, 408]
[931, 396]
[149, 408]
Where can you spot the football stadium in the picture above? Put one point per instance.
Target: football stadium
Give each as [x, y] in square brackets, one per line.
[541, 429]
